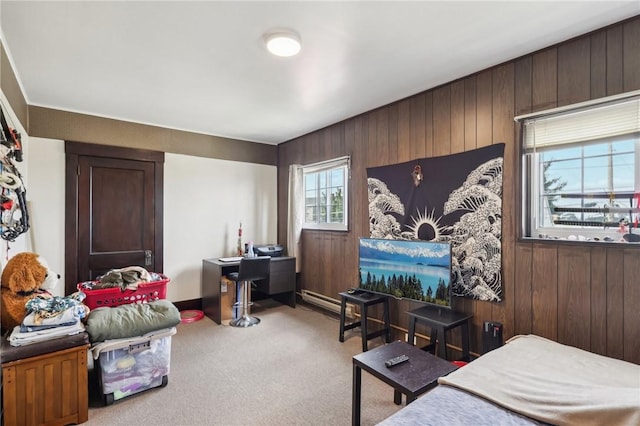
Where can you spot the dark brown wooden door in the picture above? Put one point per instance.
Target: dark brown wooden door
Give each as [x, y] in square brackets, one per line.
[115, 219]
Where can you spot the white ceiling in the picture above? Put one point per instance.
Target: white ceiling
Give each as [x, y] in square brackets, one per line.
[202, 66]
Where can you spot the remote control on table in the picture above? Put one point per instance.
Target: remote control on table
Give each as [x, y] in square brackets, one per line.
[395, 361]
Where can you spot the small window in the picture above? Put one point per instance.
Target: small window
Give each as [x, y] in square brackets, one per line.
[581, 174]
[325, 195]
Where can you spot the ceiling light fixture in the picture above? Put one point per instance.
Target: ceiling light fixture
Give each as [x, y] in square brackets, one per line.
[283, 43]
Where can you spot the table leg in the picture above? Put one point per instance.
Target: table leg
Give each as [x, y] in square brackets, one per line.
[397, 397]
[433, 338]
[355, 401]
[442, 343]
[465, 341]
[363, 327]
[412, 330]
[387, 321]
[343, 308]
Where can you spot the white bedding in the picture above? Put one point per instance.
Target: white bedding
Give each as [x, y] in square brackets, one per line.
[554, 383]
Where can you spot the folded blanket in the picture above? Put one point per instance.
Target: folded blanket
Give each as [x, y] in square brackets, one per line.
[124, 321]
[33, 321]
[554, 383]
[18, 338]
[46, 311]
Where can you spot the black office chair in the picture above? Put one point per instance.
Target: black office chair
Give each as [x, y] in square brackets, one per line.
[251, 269]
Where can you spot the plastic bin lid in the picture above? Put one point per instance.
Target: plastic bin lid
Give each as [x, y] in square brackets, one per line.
[110, 345]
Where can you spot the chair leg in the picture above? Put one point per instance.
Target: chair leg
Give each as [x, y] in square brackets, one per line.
[245, 320]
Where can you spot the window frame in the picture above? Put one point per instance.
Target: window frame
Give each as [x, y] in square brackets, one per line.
[340, 163]
[531, 163]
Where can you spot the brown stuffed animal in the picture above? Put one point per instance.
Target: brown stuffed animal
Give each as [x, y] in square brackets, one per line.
[25, 276]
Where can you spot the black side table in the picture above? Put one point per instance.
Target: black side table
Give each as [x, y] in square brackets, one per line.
[412, 378]
[364, 299]
[440, 320]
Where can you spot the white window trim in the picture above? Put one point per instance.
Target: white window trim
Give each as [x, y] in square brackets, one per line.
[607, 118]
[326, 165]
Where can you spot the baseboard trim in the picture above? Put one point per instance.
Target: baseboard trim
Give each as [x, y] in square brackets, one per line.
[185, 305]
[327, 303]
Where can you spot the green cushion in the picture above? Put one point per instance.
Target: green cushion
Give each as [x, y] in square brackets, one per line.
[124, 321]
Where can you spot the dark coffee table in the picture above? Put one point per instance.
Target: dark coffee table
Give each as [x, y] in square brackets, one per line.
[412, 378]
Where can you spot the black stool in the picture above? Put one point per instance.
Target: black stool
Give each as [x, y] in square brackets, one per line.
[250, 269]
[440, 320]
[364, 299]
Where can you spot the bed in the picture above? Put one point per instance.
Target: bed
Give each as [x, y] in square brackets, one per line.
[531, 381]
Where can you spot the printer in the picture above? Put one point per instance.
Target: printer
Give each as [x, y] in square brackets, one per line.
[272, 250]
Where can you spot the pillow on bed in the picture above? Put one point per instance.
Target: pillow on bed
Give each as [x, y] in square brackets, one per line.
[131, 320]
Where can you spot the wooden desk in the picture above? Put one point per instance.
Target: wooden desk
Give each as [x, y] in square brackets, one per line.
[440, 320]
[281, 284]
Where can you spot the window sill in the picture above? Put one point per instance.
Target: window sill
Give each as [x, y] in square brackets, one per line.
[565, 241]
[333, 228]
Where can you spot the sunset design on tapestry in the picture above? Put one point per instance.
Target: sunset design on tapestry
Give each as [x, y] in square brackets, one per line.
[456, 199]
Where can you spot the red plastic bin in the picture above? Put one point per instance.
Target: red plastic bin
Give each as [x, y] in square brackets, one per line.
[107, 297]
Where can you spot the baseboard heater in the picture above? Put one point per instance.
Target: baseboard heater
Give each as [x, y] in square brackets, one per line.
[327, 303]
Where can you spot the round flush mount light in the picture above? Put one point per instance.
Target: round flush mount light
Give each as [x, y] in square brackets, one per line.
[283, 43]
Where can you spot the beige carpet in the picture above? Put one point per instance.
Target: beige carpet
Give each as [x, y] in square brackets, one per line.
[288, 370]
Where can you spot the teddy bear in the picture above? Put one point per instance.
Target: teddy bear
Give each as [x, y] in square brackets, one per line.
[25, 276]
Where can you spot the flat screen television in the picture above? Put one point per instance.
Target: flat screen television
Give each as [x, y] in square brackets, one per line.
[416, 270]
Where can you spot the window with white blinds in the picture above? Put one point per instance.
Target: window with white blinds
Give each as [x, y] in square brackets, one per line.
[581, 171]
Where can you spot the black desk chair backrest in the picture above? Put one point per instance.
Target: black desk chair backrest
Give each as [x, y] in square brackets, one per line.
[252, 269]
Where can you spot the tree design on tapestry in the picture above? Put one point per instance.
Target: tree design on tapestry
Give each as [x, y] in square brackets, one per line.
[456, 199]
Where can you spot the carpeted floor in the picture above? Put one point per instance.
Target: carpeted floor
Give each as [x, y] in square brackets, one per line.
[288, 370]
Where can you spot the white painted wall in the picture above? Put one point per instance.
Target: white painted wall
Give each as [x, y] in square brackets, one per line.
[204, 202]
[45, 199]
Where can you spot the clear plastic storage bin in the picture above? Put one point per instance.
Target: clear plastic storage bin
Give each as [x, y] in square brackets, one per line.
[126, 367]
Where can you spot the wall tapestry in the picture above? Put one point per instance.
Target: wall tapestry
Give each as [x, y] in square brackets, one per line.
[455, 198]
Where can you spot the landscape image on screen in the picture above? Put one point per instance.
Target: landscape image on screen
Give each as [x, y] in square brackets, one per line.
[418, 270]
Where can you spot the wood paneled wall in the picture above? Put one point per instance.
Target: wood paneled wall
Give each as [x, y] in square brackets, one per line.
[582, 294]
